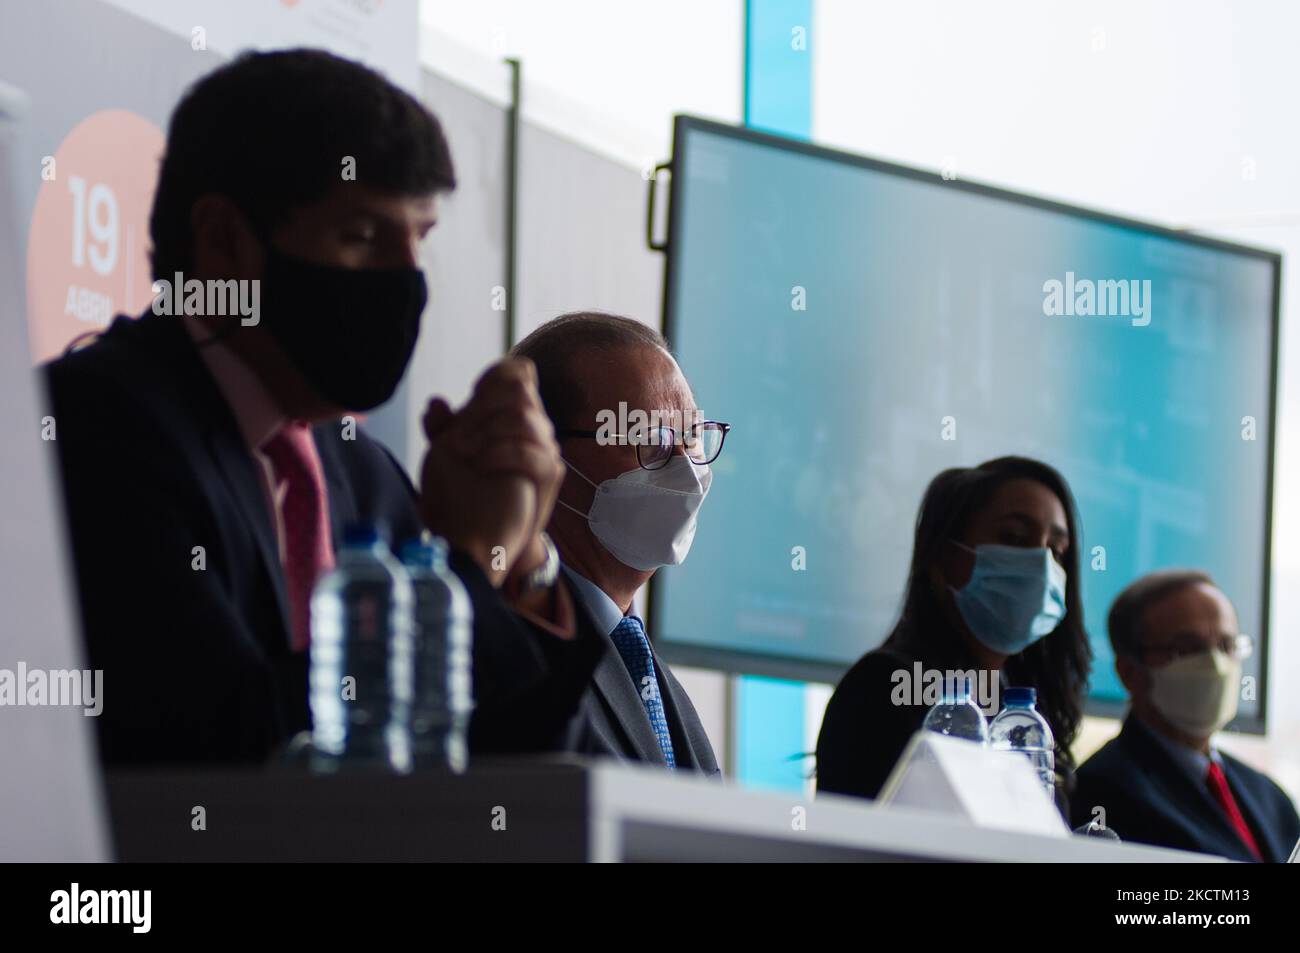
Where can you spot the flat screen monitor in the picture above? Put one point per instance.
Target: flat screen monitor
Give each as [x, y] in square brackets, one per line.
[864, 326]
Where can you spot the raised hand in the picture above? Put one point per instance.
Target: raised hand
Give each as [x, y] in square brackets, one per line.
[493, 469]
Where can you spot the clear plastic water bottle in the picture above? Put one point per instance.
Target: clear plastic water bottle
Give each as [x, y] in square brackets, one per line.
[957, 715]
[442, 634]
[361, 672]
[1019, 727]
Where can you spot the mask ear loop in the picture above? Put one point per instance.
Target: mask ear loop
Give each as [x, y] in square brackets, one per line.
[233, 326]
[585, 516]
[970, 549]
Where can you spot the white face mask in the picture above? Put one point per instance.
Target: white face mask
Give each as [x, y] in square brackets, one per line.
[1198, 693]
[646, 518]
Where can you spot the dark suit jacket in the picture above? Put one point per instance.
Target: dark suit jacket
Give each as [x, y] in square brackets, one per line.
[196, 657]
[1150, 799]
[613, 721]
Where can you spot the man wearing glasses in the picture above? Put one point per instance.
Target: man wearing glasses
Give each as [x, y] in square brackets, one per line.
[1162, 781]
[628, 505]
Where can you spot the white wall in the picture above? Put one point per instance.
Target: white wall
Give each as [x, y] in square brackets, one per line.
[51, 804]
[606, 74]
[1178, 112]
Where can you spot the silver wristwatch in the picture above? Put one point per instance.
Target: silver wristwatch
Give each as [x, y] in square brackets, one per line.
[544, 576]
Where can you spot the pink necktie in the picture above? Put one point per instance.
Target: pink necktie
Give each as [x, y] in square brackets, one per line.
[305, 515]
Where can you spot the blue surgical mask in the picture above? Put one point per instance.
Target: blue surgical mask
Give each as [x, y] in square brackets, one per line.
[1015, 596]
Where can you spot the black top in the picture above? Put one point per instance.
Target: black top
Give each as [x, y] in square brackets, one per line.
[863, 732]
[865, 729]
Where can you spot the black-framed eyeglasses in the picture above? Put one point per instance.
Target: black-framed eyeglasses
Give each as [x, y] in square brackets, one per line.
[655, 446]
[1234, 646]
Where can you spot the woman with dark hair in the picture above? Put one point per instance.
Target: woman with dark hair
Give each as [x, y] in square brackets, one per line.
[993, 587]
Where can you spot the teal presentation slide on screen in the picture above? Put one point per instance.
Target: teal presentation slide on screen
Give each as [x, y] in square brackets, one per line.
[864, 327]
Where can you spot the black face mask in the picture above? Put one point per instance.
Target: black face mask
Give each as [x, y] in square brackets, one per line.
[350, 332]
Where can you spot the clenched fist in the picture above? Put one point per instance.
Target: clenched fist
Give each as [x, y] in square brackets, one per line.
[493, 469]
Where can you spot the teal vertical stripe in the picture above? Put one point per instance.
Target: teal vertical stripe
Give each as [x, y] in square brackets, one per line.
[769, 720]
[778, 66]
[769, 713]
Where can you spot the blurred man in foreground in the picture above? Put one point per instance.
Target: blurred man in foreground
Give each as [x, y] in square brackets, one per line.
[210, 460]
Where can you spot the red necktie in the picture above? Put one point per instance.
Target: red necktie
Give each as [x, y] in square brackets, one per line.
[305, 515]
[1223, 794]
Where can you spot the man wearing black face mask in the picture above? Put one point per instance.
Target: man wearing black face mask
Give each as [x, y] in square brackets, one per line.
[208, 465]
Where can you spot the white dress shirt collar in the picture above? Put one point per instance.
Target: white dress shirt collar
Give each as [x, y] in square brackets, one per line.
[603, 610]
[255, 411]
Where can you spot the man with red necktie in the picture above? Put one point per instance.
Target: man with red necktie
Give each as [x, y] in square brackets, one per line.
[211, 462]
[1163, 781]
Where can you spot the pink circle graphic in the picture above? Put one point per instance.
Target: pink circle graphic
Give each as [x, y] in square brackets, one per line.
[87, 245]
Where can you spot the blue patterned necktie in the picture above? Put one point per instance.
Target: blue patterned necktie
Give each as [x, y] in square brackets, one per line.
[630, 639]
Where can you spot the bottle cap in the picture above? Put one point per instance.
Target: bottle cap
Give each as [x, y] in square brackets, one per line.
[362, 534]
[425, 551]
[956, 688]
[1021, 697]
